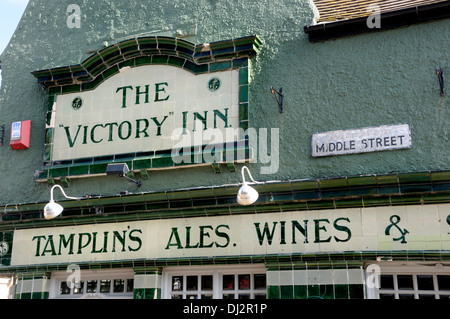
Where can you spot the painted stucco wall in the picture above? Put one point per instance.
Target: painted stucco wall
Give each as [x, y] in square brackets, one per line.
[367, 80]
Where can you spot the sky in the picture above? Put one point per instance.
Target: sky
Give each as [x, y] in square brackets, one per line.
[10, 13]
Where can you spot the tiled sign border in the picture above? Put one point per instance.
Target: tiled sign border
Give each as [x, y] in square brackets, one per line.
[198, 59]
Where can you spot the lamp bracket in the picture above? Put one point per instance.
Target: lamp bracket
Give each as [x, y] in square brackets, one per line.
[139, 184]
[121, 169]
[2, 134]
[440, 74]
[279, 97]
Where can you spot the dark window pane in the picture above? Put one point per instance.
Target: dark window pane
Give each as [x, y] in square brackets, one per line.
[119, 285]
[78, 289]
[130, 285]
[387, 296]
[244, 282]
[91, 286]
[207, 282]
[425, 282]
[244, 296]
[65, 290]
[405, 281]
[444, 282]
[105, 286]
[228, 296]
[191, 283]
[406, 296]
[387, 281]
[228, 282]
[260, 281]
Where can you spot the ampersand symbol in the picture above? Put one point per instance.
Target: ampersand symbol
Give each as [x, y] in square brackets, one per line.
[395, 219]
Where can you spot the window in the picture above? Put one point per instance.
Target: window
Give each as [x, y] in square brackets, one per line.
[93, 284]
[228, 282]
[426, 282]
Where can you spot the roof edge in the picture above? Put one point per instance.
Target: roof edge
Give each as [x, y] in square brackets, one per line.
[389, 20]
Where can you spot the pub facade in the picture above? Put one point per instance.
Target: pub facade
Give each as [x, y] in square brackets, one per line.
[226, 150]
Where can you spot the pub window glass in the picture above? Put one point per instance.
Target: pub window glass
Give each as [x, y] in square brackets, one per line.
[228, 282]
[444, 282]
[78, 288]
[260, 281]
[65, 290]
[119, 285]
[105, 286]
[244, 283]
[207, 282]
[177, 283]
[91, 286]
[191, 282]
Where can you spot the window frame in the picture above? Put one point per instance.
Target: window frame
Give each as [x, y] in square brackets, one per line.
[217, 273]
[58, 278]
[414, 270]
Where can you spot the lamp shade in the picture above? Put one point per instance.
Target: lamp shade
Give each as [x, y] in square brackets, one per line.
[247, 195]
[52, 210]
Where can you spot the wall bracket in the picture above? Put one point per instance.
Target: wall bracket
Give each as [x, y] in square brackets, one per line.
[440, 74]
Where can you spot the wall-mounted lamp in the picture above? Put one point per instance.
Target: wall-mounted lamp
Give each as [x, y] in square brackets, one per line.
[52, 209]
[278, 97]
[121, 170]
[247, 195]
[440, 74]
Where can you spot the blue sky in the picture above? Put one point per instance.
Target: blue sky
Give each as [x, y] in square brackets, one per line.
[10, 13]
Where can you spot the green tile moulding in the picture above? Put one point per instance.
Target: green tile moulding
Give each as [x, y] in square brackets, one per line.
[196, 58]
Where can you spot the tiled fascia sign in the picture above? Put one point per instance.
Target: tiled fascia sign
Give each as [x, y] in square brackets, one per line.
[149, 105]
[401, 228]
[150, 108]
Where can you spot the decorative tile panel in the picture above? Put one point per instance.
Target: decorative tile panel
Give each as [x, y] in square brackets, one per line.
[71, 89]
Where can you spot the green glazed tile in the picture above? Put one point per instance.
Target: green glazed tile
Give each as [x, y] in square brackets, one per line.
[341, 291]
[58, 172]
[440, 176]
[387, 179]
[414, 177]
[97, 168]
[333, 183]
[273, 292]
[287, 292]
[243, 76]
[243, 94]
[300, 292]
[220, 66]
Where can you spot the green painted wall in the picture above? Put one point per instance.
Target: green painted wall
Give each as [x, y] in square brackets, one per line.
[374, 79]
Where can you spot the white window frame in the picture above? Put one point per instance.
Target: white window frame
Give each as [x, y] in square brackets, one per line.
[408, 268]
[108, 274]
[217, 272]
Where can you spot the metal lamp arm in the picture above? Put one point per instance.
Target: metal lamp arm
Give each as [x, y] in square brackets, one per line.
[249, 174]
[62, 191]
